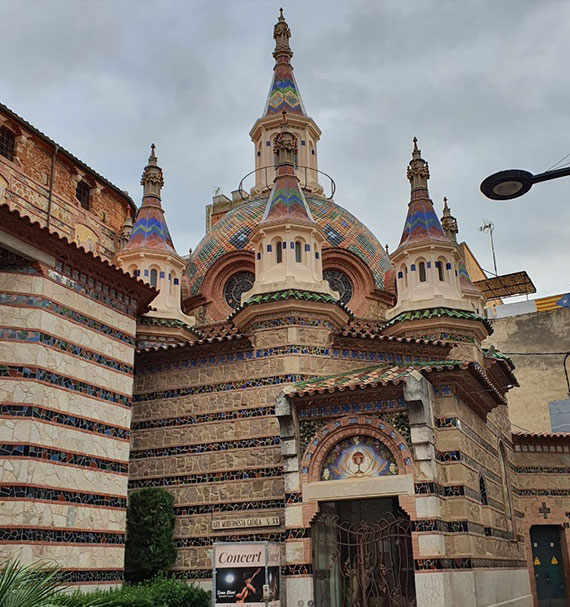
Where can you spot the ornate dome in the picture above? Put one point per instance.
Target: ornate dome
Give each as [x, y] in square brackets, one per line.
[343, 231]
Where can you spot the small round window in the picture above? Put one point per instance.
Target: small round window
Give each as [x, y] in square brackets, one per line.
[339, 282]
[237, 285]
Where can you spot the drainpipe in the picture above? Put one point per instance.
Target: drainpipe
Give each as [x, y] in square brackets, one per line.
[55, 151]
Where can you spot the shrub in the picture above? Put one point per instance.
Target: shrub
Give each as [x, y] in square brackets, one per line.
[150, 524]
[159, 592]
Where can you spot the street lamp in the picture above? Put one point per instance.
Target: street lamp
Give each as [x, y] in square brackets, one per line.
[513, 183]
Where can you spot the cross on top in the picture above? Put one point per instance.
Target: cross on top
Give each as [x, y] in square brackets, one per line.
[544, 510]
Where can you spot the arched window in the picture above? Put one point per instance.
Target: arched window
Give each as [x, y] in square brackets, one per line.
[278, 252]
[439, 266]
[297, 251]
[153, 277]
[422, 269]
[406, 275]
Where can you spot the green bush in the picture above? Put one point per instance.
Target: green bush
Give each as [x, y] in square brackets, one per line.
[159, 592]
[149, 547]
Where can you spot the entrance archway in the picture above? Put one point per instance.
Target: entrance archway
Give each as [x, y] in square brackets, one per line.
[362, 554]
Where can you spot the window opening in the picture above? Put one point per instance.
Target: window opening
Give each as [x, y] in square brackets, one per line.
[7, 139]
[82, 192]
[422, 267]
[298, 251]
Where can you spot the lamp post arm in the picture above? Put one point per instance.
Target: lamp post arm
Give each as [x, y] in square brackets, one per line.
[554, 174]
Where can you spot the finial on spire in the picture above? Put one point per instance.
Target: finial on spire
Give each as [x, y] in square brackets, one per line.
[418, 169]
[281, 34]
[281, 17]
[445, 207]
[152, 179]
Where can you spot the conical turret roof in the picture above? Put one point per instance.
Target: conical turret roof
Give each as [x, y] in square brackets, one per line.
[150, 230]
[422, 223]
[284, 93]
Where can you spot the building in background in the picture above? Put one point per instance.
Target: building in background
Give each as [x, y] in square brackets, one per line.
[294, 384]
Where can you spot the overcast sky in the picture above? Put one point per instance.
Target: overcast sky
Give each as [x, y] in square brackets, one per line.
[484, 85]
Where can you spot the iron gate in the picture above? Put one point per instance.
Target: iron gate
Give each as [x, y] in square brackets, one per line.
[364, 564]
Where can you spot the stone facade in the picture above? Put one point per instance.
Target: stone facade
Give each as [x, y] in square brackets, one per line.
[67, 338]
[40, 181]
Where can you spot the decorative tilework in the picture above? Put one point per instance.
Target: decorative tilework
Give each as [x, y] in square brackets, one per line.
[63, 419]
[93, 288]
[43, 375]
[26, 535]
[32, 301]
[245, 443]
[422, 222]
[190, 542]
[150, 230]
[191, 509]
[184, 420]
[341, 228]
[56, 456]
[222, 387]
[62, 496]
[286, 200]
[39, 337]
[208, 477]
[89, 576]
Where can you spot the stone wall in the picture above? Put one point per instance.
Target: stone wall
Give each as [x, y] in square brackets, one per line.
[25, 184]
[526, 338]
[66, 350]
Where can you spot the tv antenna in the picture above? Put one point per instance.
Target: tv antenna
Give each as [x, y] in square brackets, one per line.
[489, 226]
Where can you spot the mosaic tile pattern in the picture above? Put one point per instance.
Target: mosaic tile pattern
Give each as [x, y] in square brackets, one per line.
[56, 456]
[62, 496]
[93, 288]
[439, 313]
[208, 477]
[244, 443]
[286, 200]
[215, 416]
[44, 375]
[86, 576]
[422, 222]
[32, 301]
[63, 419]
[189, 510]
[150, 230]
[39, 337]
[59, 536]
[275, 380]
[341, 228]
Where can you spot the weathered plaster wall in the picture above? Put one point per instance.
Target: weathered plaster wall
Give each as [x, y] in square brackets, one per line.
[541, 378]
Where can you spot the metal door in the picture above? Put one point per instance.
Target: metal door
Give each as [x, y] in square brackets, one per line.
[363, 564]
[548, 565]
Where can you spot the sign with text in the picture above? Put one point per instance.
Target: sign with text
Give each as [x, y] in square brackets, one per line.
[246, 574]
[235, 523]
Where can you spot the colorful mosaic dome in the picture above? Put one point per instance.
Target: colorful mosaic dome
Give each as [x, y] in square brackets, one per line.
[341, 228]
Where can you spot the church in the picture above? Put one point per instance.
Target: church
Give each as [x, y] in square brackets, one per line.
[315, 405]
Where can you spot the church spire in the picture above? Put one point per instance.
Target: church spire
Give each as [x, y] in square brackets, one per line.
[449, 223]
[286, 200]
[150, 230]
[284, 93]
[422, 223]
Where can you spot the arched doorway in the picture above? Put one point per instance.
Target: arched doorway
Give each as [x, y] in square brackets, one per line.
[362, 554]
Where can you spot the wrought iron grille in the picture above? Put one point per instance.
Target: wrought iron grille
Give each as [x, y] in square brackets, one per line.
[7, 139]
[363, 564]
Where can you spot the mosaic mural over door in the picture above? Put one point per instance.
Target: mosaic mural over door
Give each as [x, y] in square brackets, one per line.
[356, 457]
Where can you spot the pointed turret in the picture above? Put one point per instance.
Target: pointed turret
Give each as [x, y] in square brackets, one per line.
[150, 230]
[150, 255]
[284, 96]
[287, 242]
[434, 300]
[284, 93]
[449, 223]
[422, 223]
[286, 200]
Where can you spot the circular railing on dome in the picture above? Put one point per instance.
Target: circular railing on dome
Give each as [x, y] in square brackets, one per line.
[297, 168]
